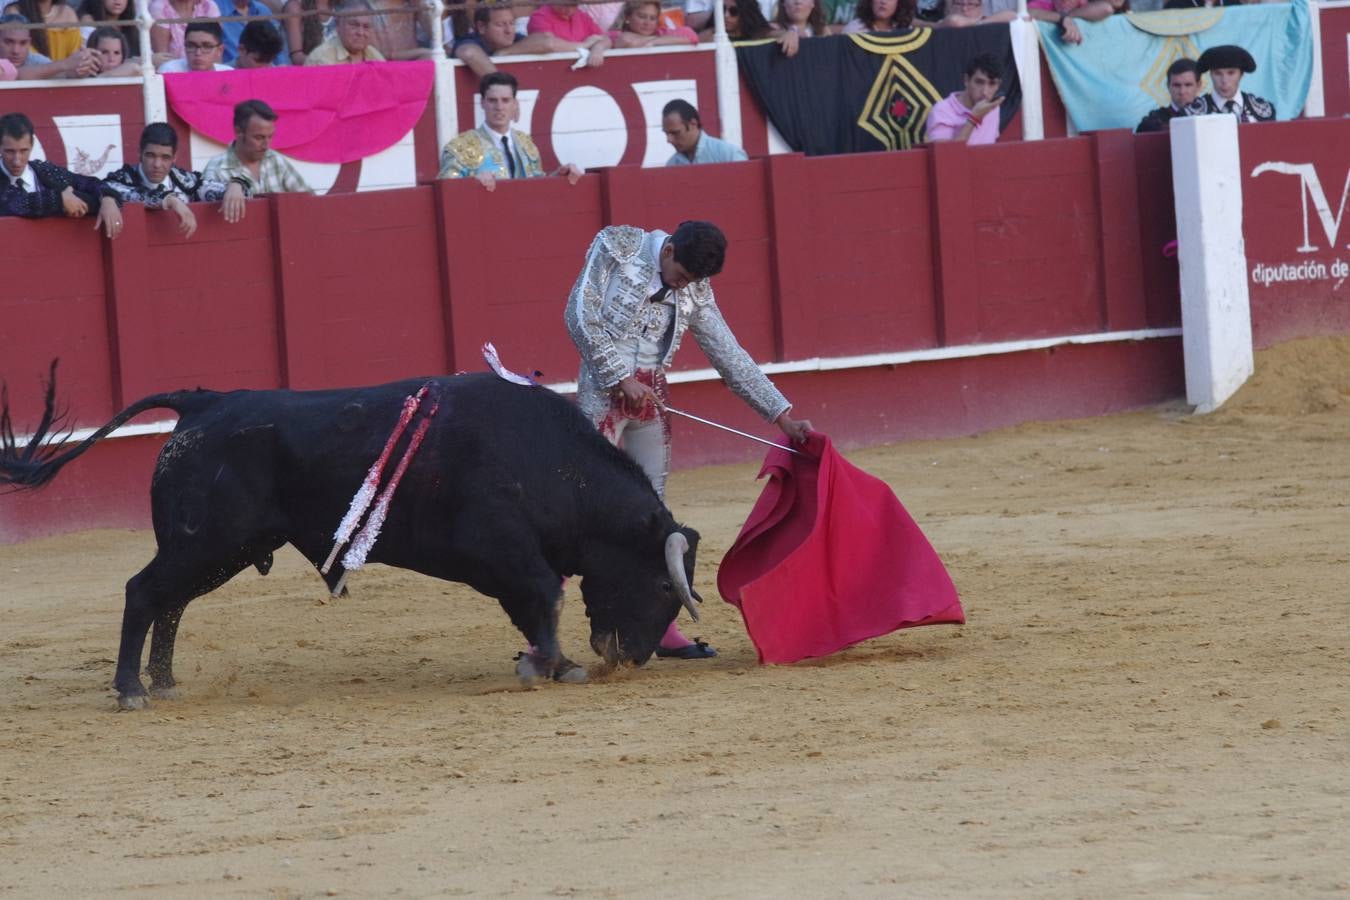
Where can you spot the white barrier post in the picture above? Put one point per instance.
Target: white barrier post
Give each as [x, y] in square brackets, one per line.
[443, 87]
[152, 83]
[1027, 54]
[1315, 105]
[1216, 321]
[728, 78]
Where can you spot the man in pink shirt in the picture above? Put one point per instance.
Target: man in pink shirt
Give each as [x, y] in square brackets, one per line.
[970, 115]
[564, 21]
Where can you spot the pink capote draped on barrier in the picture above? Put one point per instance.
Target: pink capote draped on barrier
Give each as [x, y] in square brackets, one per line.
[829, 557]
[325, 114]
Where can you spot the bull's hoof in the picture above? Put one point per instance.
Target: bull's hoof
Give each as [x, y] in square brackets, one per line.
[569, 672]
[528, 669]
[133, 701]
[164, 693]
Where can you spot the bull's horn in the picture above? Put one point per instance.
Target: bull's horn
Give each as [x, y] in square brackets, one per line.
[676, 547]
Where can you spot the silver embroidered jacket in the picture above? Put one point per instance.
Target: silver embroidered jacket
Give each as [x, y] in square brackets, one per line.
[606, 303]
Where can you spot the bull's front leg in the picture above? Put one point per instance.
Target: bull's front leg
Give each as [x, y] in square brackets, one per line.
[537, 618]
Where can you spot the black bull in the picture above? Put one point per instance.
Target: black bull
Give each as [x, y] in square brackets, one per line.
[511, 490]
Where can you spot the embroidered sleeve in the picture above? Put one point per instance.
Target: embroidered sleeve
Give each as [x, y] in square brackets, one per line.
[462, 156]
[584, 320]
[731, 361]
[534, 168]
[121, 184]
[1262, 109]
[30, 204]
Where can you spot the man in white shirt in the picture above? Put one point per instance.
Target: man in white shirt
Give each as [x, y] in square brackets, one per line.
[1226, 64]
[203, 46]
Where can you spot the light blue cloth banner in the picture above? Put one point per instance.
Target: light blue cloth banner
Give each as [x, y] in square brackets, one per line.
[1119, 73]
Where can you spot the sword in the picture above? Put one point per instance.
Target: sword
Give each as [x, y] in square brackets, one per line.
[671, 409]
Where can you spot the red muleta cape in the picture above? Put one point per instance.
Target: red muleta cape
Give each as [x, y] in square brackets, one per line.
[829, 557]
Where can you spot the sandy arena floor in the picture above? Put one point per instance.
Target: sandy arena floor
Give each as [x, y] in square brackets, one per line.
[1150, 700]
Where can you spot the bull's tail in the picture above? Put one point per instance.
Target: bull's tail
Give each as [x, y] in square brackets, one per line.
[37, 463]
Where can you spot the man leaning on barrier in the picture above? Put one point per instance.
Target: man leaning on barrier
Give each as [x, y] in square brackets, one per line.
[35, 189]
[157, 183]
[494, 34]
[494, 150]
[249, 165]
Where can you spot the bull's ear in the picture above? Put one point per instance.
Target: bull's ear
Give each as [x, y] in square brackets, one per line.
[658, 524]
[690, 535]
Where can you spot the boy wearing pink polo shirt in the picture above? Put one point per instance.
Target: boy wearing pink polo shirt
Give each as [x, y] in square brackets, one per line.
[970, 115]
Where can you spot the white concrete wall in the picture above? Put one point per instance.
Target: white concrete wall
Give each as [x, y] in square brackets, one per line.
[1216, 320]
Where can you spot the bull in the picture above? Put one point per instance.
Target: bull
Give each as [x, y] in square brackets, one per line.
[511, 491]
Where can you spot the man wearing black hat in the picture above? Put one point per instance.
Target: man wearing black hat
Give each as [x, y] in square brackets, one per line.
[1183, 81]
[1226, 65]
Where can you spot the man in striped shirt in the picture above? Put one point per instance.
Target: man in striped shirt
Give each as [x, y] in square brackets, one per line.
[251, 161]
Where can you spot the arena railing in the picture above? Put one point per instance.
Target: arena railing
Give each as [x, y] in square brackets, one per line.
[1024, 36]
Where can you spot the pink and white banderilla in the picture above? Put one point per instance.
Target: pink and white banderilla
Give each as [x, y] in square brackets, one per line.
[361, 545]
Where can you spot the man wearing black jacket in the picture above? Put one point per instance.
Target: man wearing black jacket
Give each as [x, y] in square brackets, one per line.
[35, 189]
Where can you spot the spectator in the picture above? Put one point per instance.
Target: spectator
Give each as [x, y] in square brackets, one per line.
[251, 162]
[1183, 81]
[609, 16]
[111, 47]
[54, 43]
[158, 184]
[961, 13]
[745, 21]
[562, 21]
[970, 115]
[494, 34]
[16, 46]
[352, 42]
[1064, 13]
[885, 15]
[642, 27]
[805, 17]
[400, 32]
[260, 44]
[494, 150]
[636, 296]
[838, 13]
[693, 146]
[798, 19]
[204, 43]
[930, 11]
[168, 37]
[122, 11]
[308, 22]
[1226, 64]
[231, 31]
[7, 70]
[35, 189]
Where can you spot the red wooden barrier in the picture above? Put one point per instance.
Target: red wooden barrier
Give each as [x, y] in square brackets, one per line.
[1296, 189]
[828, 257]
